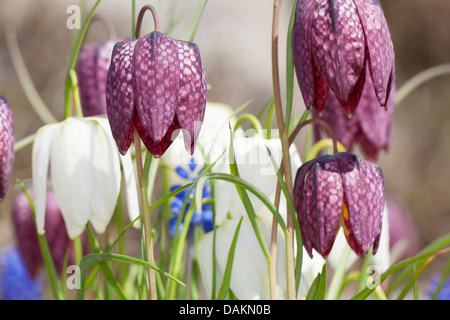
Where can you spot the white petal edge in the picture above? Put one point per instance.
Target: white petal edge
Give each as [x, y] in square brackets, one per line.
[129, 176]
[40, 162]
[71, 173]
[106, 177]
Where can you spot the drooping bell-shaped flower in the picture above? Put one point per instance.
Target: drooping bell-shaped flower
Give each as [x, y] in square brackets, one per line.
[339, 190]
[156, 85]
[58, 241]
[332, 42]
[7, 143]
[92, 69]
[85, 170]
[370, 127]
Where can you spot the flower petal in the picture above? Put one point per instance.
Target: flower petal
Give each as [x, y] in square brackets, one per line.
[119, 94]
[364, 195]
[105, 177]
[40, 162]
[131, 189]
[156, 83]
[92, 70]
[86, 74]
[321, 205]
[192, 95]
[71, 171]
[157, 149]
[381, 55]
[302, 49]
[7, 143]
[338, 45]
[382, 258]
[376, 122]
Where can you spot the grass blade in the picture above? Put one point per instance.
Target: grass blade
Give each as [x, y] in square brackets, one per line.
[227, 275]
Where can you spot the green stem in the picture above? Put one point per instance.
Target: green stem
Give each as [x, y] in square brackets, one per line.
[78, 250]
[76, 93]
[25, 80]
[252, 119]
[25, 142]
[68, 84]
[319, 146]
[290, 264]
[133, 18]
[147, 220]
[419, 79]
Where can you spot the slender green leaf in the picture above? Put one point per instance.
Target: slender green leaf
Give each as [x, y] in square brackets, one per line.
[314, 288]
[444, 278]
[246, 201]
[251, 188]
[318, 287]
[265, 109]
[153, 206]
[227, 275]
[320, 295]
[91, 259]
[405, 274]
[194, 32]
[102, 265]
[394, 268]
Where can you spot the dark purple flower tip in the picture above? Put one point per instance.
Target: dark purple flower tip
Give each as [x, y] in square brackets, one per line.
[332, 42]
[157, 85]
[339, 190]
[370, 127]
[25, 228]
[92, 69]
[7, 143]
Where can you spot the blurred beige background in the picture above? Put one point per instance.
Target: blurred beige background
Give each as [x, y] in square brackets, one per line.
[234, 37]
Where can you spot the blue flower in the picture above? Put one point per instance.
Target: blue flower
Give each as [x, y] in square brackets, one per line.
[15, 280]
[444, 293]
[190, 173]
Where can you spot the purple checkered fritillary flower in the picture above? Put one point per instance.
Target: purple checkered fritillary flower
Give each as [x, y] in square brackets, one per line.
[156, 85]
[26, 234]
[332, 42]
[7, 143]
[339, 190]
[370, 127]
[92, 69]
